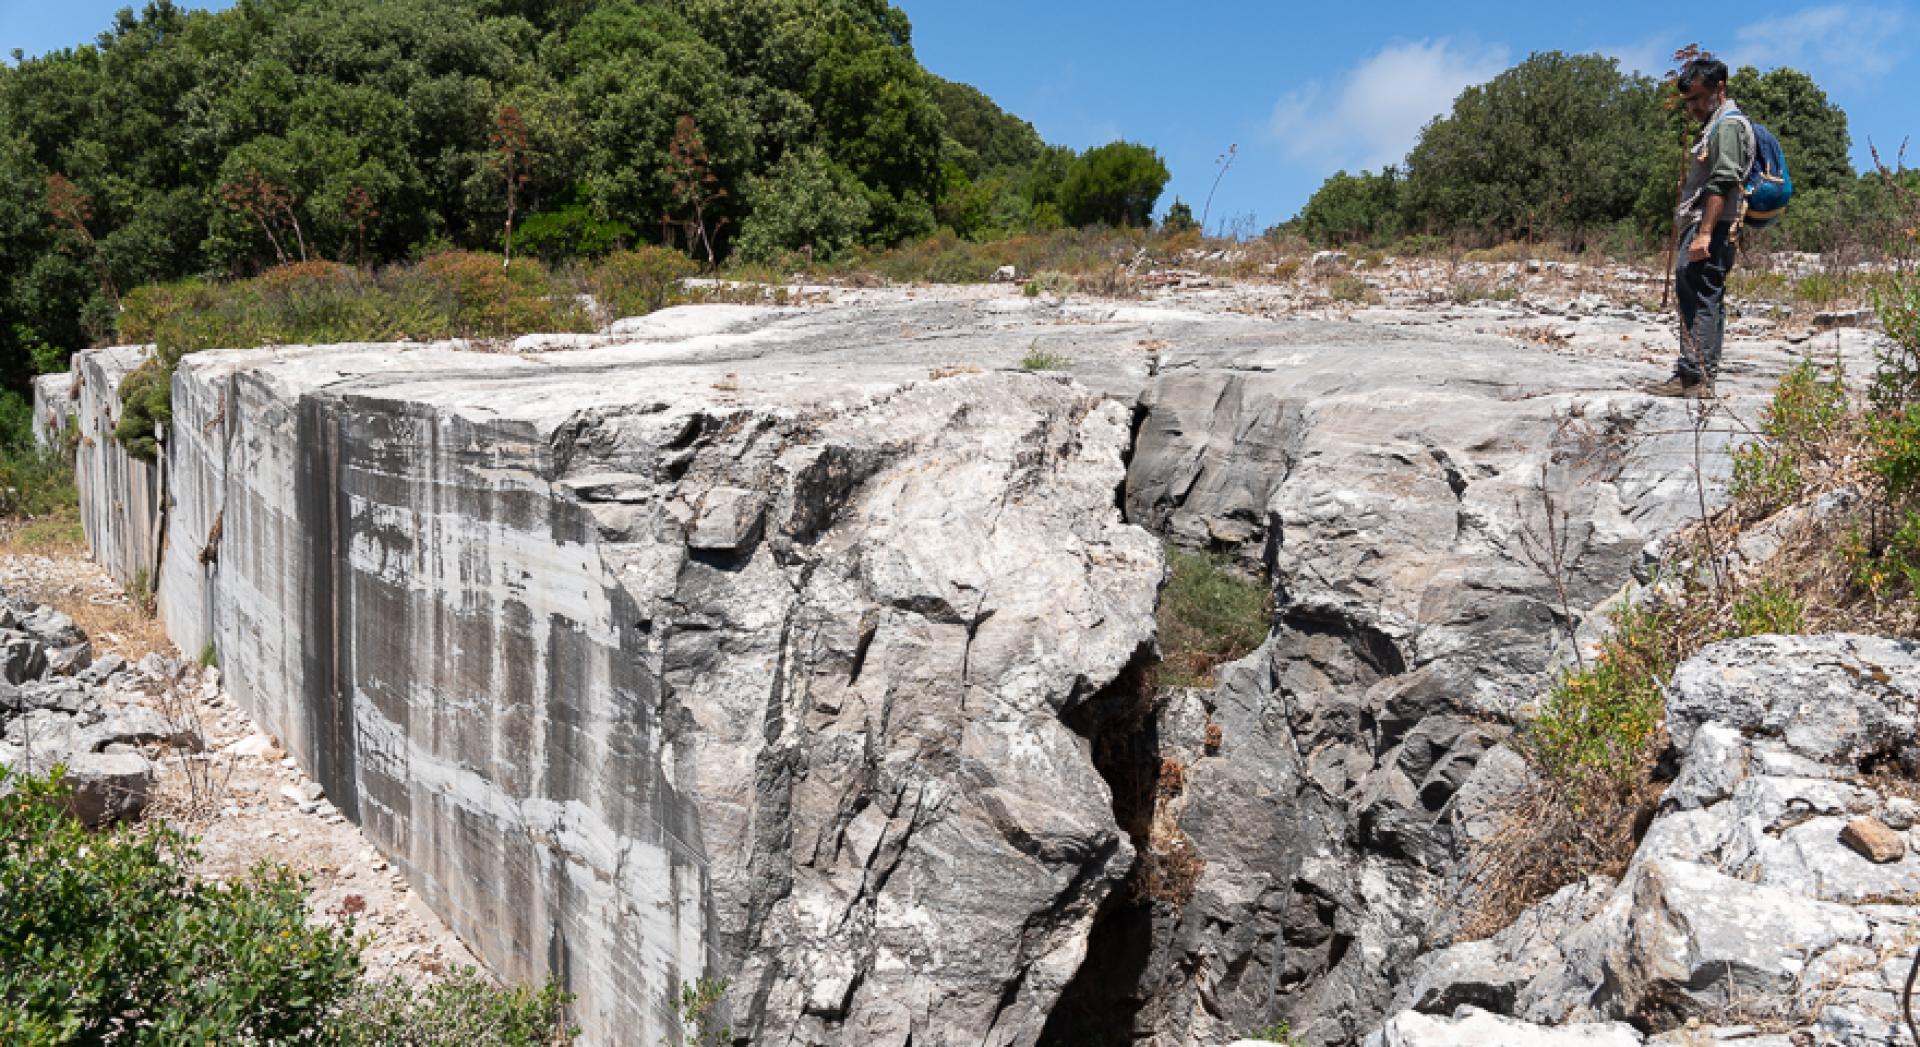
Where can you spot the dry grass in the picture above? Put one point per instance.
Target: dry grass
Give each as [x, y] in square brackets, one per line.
[47, 563]
[1551, 836]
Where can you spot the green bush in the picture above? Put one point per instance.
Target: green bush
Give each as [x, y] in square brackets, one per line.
[464, 1010]
[1806, 411]
[450, 294]
[106, 936]
[571, 230]
[1038, 359]
[806, 203]
[1210, 614]
[1116, 184]
[1362, 208]
[1599, 721]
[36, 483]
[641, 281]
[1770, 607]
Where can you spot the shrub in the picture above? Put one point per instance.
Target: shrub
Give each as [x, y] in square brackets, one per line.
[1600, 720]
[641, 281]
[1770, 607]
[1805, 413]
[1350, 288]
[449, 294]
[488, 300]
[806, 202]
[106, 936]
[465, 1010]
[1210, 615]
[1038, 359]
[571, 230]
[1116, 184]
[35, 483]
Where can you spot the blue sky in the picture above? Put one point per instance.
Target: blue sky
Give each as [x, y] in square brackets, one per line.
[1305, 89]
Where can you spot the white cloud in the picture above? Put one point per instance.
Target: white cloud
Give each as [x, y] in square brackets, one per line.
[1649, 56]
[1375, 113]
[1840, 42]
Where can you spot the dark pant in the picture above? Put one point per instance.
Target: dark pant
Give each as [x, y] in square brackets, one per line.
[1702, 291]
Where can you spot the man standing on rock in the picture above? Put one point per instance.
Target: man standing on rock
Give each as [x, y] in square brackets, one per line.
[1710, 206]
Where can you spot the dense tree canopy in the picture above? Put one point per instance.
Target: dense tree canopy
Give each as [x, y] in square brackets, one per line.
[1568, 145]
[187, 143]
[1116, 184]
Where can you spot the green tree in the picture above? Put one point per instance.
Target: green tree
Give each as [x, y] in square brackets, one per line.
[806, 202]
[1557, 143]
[981, 137]
[1179, 217]
[1811, 129]
[1116, 184]
[1354, 208]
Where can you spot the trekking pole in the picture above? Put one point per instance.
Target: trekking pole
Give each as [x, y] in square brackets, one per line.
[1906, 997]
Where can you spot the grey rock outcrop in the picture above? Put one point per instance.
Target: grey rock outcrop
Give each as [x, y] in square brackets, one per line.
[1477, 1028]
[1743, 905]
[61, 709]
[730, 654]
[793, 647]
[1393, 485]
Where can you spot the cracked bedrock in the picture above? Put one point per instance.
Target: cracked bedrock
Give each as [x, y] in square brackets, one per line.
[776, 645]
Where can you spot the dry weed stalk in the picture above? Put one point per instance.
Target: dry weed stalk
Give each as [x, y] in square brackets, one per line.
[204, 776]
[1551, 836]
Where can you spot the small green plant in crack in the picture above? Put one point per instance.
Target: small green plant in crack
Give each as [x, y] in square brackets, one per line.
[1279, 1032]
[1769, 608]
[1210, 614]
[209, 657]
[1038, 359]
[699, 1014]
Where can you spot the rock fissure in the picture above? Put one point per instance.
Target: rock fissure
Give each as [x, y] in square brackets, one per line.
[670, 630]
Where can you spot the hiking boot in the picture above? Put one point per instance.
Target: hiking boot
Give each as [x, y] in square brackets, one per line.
[1680, 386]
[1699, 391]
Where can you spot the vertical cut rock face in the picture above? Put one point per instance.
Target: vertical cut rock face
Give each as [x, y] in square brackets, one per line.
[120, 495]
[646, 669]
[53, 407]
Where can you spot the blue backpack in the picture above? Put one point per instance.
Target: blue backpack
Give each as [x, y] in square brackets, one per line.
[1769, 187]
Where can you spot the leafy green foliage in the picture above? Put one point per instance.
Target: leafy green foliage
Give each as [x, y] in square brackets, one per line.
[448, 295]
[464, 1010]
[1557, 142]
[35, 482]
[1804, 413]
[105, 932]
[217, 145]
[1362, 208]
[1811, 129]
[1770, 607]
[638, 282]
[806, 203]
[106, 937]
[1038, 359]
[1179, 217]
[1116, 184]
[982, 138]
[1569, 145]
[1599, 721]
[700, 1013]
[571, 229]
[1210, 614]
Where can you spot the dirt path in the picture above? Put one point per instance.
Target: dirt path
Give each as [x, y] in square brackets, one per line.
[244, 798]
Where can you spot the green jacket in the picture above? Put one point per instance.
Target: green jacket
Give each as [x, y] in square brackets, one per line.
[1717, 165]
